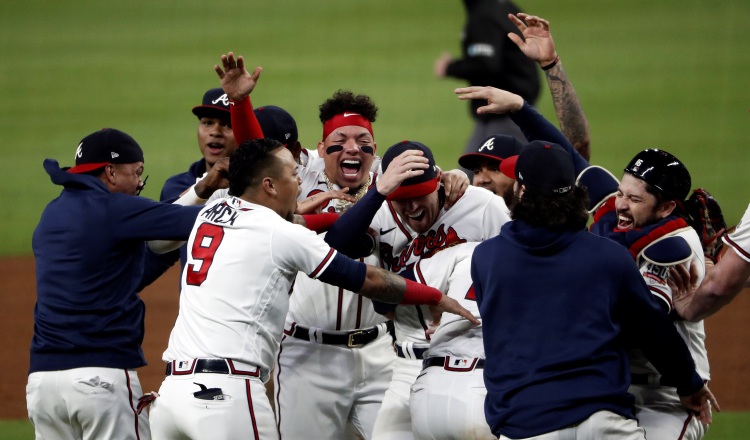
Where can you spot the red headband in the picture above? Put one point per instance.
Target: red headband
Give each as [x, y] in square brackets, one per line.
[344, 119]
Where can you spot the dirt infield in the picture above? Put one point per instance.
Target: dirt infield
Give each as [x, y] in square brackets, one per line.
[728, 338]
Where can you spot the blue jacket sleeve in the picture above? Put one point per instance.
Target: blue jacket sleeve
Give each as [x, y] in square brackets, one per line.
[536, 128]
[348, 234]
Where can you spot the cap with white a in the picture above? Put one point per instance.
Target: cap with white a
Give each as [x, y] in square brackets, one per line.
[104, 147]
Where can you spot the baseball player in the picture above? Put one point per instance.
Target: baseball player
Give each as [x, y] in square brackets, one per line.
[638, 212]
[722, 283]
[485, 164]
[243, 256]
[325, 321]
[411, 224]
[447, 399]
[89, 248]
[554, 369]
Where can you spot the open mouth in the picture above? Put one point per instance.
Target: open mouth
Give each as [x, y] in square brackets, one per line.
[215, 148]
[624, 222]
[417, 216]
[350, 167]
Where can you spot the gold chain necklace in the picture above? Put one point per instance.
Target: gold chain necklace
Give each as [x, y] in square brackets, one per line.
[343, 205]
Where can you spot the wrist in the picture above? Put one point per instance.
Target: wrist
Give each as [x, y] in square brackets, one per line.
[548, 64]
[416, 293]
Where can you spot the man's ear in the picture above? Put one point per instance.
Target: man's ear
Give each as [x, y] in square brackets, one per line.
[109, 174]
[268, 186]
[666, 208]
[321, 149]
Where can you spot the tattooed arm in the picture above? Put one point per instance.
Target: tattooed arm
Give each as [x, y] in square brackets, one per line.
[573, 122]
[537, 44]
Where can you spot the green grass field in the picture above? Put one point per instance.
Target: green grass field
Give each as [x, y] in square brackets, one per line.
[670, 74]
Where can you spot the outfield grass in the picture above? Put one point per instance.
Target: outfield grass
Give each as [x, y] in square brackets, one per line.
[668, 74]
[726, 426]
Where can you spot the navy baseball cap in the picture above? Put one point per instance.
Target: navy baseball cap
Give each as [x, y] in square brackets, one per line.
[496, 147]
[277, 124]
[416, 186]
[215, 105]
[104, 147]
[543, 168]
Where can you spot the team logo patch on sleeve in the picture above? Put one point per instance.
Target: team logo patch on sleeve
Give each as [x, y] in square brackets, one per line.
[656, 274]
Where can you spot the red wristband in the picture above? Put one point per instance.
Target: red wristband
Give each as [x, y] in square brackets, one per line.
[417, 293]
[245, 125]
[320, 222]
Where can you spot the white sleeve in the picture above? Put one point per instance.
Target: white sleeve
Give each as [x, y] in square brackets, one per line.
[218, 194]
[298, 249]
[656, 277]
[189, 198]
[495, 216]
[739, 240]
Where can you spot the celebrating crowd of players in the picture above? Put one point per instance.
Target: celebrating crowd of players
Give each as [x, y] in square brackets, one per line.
[325, 268]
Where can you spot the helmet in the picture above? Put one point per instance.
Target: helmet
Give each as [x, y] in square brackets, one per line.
[663, 171]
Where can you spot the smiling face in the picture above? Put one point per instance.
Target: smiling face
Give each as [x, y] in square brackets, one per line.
[420, 213]
[636, 207]
[215, 139]
[348, 153]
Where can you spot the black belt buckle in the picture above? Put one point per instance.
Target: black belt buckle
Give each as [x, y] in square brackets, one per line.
[350, 342]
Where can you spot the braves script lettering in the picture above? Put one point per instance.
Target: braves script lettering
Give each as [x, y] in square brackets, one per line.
[423, 246]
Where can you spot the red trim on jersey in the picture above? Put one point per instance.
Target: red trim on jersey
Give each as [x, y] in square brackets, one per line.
[685, 425]
[398, 222]
[607, 207]
[418, 272]
[277, 384]
[325, 261]
[420, 278]
[658, 293]
[234, 370]
[358, 324]
[130, 397]
[736, 247]
[422, 322]
[470, 294]
[250, 407]
[666, 228]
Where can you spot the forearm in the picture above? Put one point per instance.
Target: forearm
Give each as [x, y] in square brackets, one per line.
[382, 285]
[721, 285]
[245, 125]
[568, 108]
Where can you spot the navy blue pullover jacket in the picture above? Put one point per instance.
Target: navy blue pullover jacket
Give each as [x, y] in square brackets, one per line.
[557, 308]
[157, 264]
[89, 247]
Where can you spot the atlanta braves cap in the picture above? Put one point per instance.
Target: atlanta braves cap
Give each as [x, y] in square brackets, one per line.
[104, 147]
[543, 168]
[215, 105]
[416, 186]
[277, 124]
[496, 147]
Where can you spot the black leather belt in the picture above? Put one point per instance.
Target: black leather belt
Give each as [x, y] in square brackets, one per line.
[352, 339]
[453, 364]
[418, 352]
[216, 366]
[650, 379]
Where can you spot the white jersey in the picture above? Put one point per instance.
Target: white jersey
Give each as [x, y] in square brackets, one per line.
[319, 305]
[692, 332]
[739, 240]
[476, 216]
[242, 261]
[449, 271]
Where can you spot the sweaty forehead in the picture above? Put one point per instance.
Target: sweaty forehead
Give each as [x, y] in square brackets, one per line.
[631, 185]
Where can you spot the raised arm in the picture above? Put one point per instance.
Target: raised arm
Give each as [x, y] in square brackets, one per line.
[537, 44]
[238, 83]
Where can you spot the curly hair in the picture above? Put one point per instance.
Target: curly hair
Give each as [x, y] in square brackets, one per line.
[252, 161]
[346, 101]
[568, 210]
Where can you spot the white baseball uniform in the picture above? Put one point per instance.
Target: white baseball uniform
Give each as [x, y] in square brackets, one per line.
[447, 399]
[476, 216]
[739, 240]
[322, 363]
[658, 408]
[242, 261]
